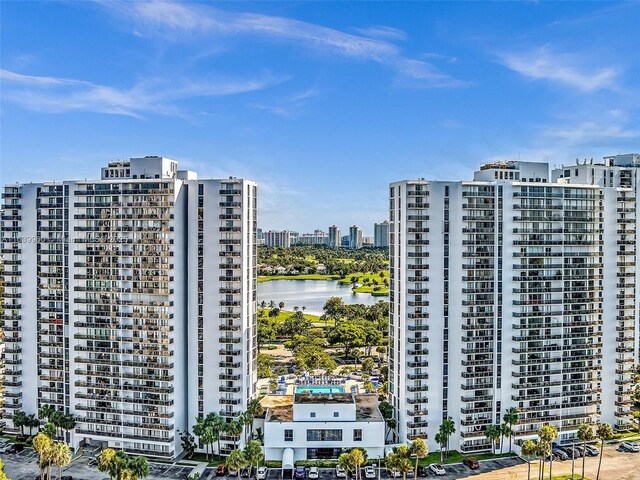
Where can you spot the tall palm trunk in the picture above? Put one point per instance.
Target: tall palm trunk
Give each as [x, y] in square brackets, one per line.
[528, 470]
[550, 465]
[583, 458]
[600, 460]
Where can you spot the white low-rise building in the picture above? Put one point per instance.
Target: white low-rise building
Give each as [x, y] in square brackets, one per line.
[321, 426]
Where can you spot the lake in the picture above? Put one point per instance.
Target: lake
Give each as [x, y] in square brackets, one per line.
[311, 293]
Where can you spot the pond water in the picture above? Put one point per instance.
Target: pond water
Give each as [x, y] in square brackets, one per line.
[311, 293]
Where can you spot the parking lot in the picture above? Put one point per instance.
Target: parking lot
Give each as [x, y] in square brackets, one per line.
[615, 466]
[24, 466]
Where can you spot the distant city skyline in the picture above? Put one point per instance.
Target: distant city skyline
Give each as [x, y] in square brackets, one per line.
[322, 104]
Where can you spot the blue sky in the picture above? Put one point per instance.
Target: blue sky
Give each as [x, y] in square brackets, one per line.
[323, 104]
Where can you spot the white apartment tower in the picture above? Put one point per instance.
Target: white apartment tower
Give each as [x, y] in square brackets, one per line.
[113, 289]
[511, 291]
[278, 238]
[381, 234]
[334, 237]
[355, 237]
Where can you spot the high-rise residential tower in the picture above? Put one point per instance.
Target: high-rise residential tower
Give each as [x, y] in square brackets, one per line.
[513, 291]
[355, 237]
[381, 234]
[334, 237]
[278, 238]
[112, 290]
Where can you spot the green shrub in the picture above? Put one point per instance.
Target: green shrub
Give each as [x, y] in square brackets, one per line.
[270, 347]
[273, 464]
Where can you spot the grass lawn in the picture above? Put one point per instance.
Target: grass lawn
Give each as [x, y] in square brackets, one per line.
[309, 276]
[456, 457]
[369, 286]
[284, 314]
[569, 477]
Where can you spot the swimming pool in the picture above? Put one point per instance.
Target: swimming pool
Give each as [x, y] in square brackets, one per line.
[319, 389]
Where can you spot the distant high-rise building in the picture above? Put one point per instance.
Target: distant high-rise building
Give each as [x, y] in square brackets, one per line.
[344, 241]
[368, 240]
[111, 289]
[334, 237]
[355, 237]
[318, 237]
[381, 234]
[521, 292]
[278, 238]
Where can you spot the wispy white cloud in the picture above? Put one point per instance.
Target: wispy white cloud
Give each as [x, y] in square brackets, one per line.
[56, 95]
[566, 69]
[382, 32]
[287, 106]
[181, 20]
[590, 131]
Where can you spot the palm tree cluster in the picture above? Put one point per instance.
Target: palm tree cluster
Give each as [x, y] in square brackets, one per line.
[352, 460]
[51, 453]
[211, 428]
[56, 421]
[499, 432]
[249, 457]
[542, 448]
[121, 466]
[447, 429]
[22, 420]
[400, 459]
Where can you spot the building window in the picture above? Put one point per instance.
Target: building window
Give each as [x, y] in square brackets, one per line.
[324, 435]
[336, 414]
[313, 414]
[288, 435]
[357, 435]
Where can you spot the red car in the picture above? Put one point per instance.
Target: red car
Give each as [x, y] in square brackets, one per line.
[221, 470]
[472, 463]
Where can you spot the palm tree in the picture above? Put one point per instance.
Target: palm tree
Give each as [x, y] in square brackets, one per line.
[356, 459]
[235, 461]
[493, 434]
[253, 453]
[45, 412]
[404, 466]
[43, 446]
[20, 420]
[106, 461]
[448, 428]
[440, 440]
[343, 461]
[68, 423]
[217, 426]
[585, 434]
[604, 432]
[281, 305]
[543, 450]
[49, 429]
[505, 431]
[255, 409]
[55, 418]
[60, 456]
[511, 418]
[547, 435]
[420, 449]
[138, 467]
[32, 422]
[391, 462]
[234, 428]
[529, 450]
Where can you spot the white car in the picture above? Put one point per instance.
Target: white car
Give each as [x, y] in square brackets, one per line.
[369, 472]
[630, 447]
[393, 473]
[313, 473]
[262, 473]
[340, 472]
[437, 469]
[5, 447]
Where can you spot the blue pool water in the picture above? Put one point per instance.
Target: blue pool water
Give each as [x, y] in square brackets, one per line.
[319, 389]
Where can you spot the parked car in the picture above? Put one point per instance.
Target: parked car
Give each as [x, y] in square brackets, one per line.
[472, 463]
[369, 472]
[393, 473]
[340, 472]
[16, 448]
[66, 477]
[592, 451]
[423, 471]
[221, 470]
[246, 472]
[262, 473]
[5, 448]
[313, 473]
[437, 469]
[571, 452]
[232, 472]
[629, 447]
[300, 472]
[560, 454]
